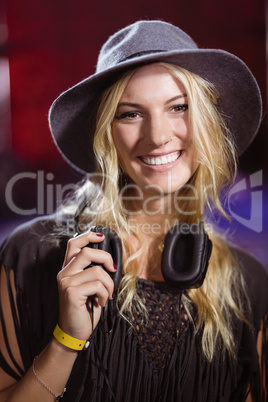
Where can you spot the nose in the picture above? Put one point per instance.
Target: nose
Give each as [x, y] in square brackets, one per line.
[157, 130]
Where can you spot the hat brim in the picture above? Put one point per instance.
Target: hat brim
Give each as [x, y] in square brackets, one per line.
[72, 115]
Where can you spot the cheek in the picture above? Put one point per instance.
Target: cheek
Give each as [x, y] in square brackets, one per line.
[187, 134]
[122, 147]
[182, 130]
[124, 140]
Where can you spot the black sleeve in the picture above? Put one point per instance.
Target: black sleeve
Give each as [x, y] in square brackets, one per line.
[255, 362]
[256, 278]
[35, 257]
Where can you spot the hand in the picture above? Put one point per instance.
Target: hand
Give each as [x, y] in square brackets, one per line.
[77, 285]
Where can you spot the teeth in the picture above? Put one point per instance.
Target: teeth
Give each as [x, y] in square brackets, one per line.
[162, 160]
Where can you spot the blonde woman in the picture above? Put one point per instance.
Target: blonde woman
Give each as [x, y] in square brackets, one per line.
[158, 127]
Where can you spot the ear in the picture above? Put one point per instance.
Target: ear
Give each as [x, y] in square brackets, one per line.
[186, 254]
[112, 244]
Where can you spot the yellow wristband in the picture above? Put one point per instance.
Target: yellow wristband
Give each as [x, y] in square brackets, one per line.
[67, 340]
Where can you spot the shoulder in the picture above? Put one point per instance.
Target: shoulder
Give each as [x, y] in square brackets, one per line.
[256, 281]
[34, 228]
[33, 242]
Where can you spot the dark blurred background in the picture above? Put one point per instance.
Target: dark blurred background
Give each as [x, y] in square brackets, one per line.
[47, 46]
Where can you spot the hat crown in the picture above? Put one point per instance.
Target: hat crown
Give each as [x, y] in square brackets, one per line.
[141, 38]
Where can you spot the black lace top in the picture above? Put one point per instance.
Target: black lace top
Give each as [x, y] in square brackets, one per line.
[158, 359]
[166, 321]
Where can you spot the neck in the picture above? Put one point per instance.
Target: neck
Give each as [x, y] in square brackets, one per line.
[151, 228]
[154, 210]
[151, 218]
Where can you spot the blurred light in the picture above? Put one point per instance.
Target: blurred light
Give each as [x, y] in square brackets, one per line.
[5, 121]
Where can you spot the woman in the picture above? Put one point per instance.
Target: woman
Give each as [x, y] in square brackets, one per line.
[164, 119]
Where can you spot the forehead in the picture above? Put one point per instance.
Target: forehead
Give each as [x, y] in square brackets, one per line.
[153, 79]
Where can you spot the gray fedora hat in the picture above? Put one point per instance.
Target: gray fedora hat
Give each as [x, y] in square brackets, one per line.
[72, 115]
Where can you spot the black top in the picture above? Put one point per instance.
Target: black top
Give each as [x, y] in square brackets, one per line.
[159, 361]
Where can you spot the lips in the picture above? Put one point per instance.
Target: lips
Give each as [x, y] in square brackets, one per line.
[161, 159]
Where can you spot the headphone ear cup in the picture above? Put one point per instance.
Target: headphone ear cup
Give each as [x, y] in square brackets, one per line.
[112, 244]
[186, 254]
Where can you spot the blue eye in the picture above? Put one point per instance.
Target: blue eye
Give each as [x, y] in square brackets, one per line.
[127, 115]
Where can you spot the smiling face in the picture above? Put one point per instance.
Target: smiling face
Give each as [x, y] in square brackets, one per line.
[151, 131]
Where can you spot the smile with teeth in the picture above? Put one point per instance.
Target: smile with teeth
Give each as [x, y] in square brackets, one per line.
[161, 160]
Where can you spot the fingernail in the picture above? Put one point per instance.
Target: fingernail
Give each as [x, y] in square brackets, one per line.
[115, 267]
[99, 234]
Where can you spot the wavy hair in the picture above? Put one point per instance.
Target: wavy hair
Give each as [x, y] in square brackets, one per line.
[223, 291]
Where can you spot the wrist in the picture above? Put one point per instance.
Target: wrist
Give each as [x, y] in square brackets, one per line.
[68, 341]
[59, 348]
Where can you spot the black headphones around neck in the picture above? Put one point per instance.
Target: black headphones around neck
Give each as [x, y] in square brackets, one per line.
[185, 258]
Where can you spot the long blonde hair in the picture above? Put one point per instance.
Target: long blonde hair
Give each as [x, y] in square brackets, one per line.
[223, 292]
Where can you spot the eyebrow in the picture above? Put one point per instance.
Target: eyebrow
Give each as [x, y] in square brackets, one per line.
[138, 105]
[176, 97]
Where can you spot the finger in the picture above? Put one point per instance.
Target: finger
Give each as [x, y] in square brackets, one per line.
[87, 256]
[75, 244]
[93, 274]
[78, 295]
